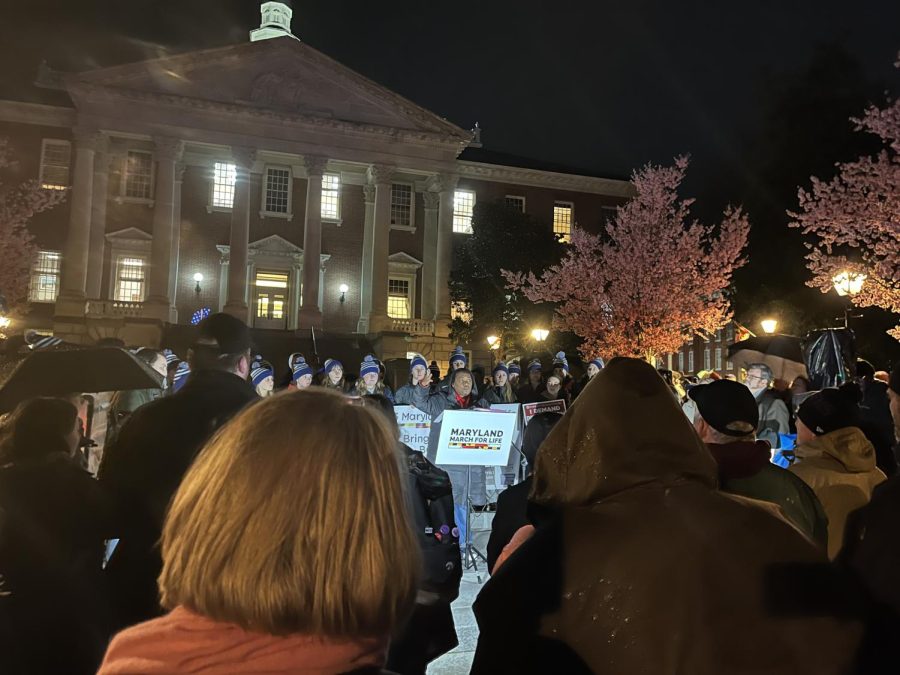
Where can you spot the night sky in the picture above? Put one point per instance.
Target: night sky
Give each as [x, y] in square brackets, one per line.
[599, 85]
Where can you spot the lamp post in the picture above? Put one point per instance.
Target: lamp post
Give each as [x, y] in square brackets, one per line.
[769, 326]
[494, 345]
[540, 334]
[848, 284]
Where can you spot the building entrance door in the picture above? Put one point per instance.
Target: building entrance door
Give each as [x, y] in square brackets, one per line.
[271, 300]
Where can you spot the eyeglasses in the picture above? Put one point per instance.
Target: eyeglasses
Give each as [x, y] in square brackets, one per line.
[754, 378]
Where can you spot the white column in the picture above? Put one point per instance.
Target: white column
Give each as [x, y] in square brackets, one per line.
[236, 302]
[97, 246]
[365, 282]
[429, 266]
[174, 268]
[75, 259]
[380, 176]
[168, 153]
[310, 312]
[446, 186]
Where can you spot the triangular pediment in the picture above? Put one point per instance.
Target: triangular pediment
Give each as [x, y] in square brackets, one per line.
[281, 75]
[401, 259]
[275, 244]
[129, 234]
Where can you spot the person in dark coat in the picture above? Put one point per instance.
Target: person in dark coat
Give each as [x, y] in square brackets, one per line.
[726, 419]
[144, 467]
[512, 504]
[460, 396]
[875, 417]
[430, 631]
[54, 517]
[594, 366]
[646, 566]
[531, 391]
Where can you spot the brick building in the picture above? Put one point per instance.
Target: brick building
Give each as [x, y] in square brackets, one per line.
[266, 180]
[700, 354]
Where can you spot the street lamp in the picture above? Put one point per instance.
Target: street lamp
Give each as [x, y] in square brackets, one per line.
[493, 342]
[198, 277]
[769, 326]
[540, 334]
[343, 288]
[848, 284]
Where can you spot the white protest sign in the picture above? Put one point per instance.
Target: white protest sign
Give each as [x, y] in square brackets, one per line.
[529, 410]
[415, 426]
[475, 437]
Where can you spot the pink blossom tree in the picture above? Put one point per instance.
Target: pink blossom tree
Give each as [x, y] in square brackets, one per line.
[651, 280]
[855, 218]
[19, 201]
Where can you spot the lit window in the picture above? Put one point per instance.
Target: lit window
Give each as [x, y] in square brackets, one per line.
[54, 171]
[669, 361]
[462, 310]
[44, 285]
[331, 196]
[463, 209]
[402, 205]
[562, 220]
[271, 295]
[398, 299]
[691, 361]
[707, 364]
[138, 178]
[718, 335]
[729, 365]
[718, 358]
[681, 361]
[515, 202]
[130, 276]
[278, 190]
[224, 178]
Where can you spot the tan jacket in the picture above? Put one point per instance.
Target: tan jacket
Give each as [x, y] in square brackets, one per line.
[840, 468]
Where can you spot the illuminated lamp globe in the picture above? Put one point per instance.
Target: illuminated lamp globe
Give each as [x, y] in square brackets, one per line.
[769, 326]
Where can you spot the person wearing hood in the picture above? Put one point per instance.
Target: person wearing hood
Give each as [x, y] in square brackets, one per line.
[726, 417]
[834, 458]
[302, 375]
[418, 368]
[262, 377]
[512, 504]
[501, 391]
[460, 396]
[531, 391]
[646, 566]
[370, 382]
[272, 566]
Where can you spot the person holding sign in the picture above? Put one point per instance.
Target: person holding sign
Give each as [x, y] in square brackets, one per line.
[554, 391]
[502, 391]
[459, 396]
[531, 391]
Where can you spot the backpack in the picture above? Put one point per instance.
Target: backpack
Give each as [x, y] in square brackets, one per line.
[431, 497]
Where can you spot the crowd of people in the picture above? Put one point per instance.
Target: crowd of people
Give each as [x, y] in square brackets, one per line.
[236, 525]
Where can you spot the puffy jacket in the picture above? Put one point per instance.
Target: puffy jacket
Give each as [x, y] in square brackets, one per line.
[840, 468]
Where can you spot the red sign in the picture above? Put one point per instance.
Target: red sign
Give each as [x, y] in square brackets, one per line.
[532, 409]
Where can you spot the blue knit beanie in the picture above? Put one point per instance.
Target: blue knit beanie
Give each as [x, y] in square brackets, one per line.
[259, 372]
[535, 364]
[598, 362]
[171, 356]
[296, 356]
[560, 361]
[301, 368]
[418, 360]
[181, 375]
[369, 365]
[500, 367]
[515, 368]
[459, 355]
[331, 364]
[44, 342]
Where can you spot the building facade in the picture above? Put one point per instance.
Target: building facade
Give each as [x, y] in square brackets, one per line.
[266, 180]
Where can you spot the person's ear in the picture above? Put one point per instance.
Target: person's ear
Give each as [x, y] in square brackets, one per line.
[243, 366]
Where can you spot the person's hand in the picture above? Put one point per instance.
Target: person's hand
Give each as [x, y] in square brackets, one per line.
[426, 381]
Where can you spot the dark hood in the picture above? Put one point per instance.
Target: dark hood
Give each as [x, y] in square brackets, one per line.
[624, 430]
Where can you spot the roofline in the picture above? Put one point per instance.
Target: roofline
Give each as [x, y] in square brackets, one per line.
[21, 112]
[499, 173]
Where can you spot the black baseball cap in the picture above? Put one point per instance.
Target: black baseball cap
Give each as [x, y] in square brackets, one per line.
[727, 406]
[223, 334]
[830, 409]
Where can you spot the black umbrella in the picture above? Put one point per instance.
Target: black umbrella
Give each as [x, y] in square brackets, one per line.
[782, 353]
[76, 371]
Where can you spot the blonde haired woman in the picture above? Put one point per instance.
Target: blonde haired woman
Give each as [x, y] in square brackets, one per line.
[285, 549]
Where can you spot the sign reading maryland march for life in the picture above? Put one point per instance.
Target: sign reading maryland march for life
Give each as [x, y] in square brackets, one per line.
[476, 437]
[529, 410]
[414, 426]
